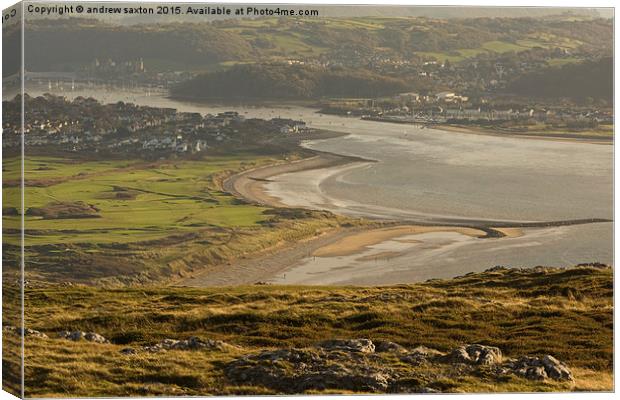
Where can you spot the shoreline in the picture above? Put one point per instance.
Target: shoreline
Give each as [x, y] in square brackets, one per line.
[243, 101]
[341, 241]
[249, 185]
[474, 129]
[480, 130]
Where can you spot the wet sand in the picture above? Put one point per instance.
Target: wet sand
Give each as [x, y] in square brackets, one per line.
[275, 262]
[354, 244]
[250, 184]
[438, 255]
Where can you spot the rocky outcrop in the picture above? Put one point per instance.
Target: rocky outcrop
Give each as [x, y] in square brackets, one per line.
[389, 347]
[539, 368]
[79, 335]
[476, 354]
[357, 345]
[27, 332]
[193, 343]
[360, 365]
[420, 355]
[320, 368]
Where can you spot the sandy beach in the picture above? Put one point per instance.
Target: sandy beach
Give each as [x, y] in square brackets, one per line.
[264, 265]
[250, 184]
[276, 261]
[354, 244]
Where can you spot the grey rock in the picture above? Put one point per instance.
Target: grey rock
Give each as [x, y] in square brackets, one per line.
[320, 368]
[556, 369]
[352, 345]
[79, 335]
[27, 332]
[385, 347]
[421, 354]
[535, 373]
[193, 343]
[536, 368]
[128, 351]
[356, 365]
[476, 354]
[95, 337]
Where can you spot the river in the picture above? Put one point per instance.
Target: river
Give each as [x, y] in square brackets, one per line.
[424, 174]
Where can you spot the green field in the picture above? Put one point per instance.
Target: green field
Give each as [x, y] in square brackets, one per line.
[462, 54]
[143, 220]
[543, 40]
[164, 198]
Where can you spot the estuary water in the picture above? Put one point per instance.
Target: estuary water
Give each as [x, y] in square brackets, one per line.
[427, 174]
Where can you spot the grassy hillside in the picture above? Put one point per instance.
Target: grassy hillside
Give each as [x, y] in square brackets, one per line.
[567, 313]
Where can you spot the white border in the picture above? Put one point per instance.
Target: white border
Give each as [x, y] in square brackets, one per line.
[483, 3]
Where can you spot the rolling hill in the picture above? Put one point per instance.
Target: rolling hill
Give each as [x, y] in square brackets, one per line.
[68, 44]
[578, 81]
[277, 81]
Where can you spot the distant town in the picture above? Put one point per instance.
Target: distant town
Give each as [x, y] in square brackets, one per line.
[85, 125]
[448, 107]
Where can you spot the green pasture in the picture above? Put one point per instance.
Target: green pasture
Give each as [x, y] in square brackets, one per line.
[165, 198]
[499, 46]
[495, 46]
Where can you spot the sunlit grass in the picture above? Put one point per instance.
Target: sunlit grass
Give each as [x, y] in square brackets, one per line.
[565, 313]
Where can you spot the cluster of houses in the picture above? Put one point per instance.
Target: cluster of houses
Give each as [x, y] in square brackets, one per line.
[290, 126]
[448, 106]
[441, 97]
[451, 114]
[86, 125]
[530, 114]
